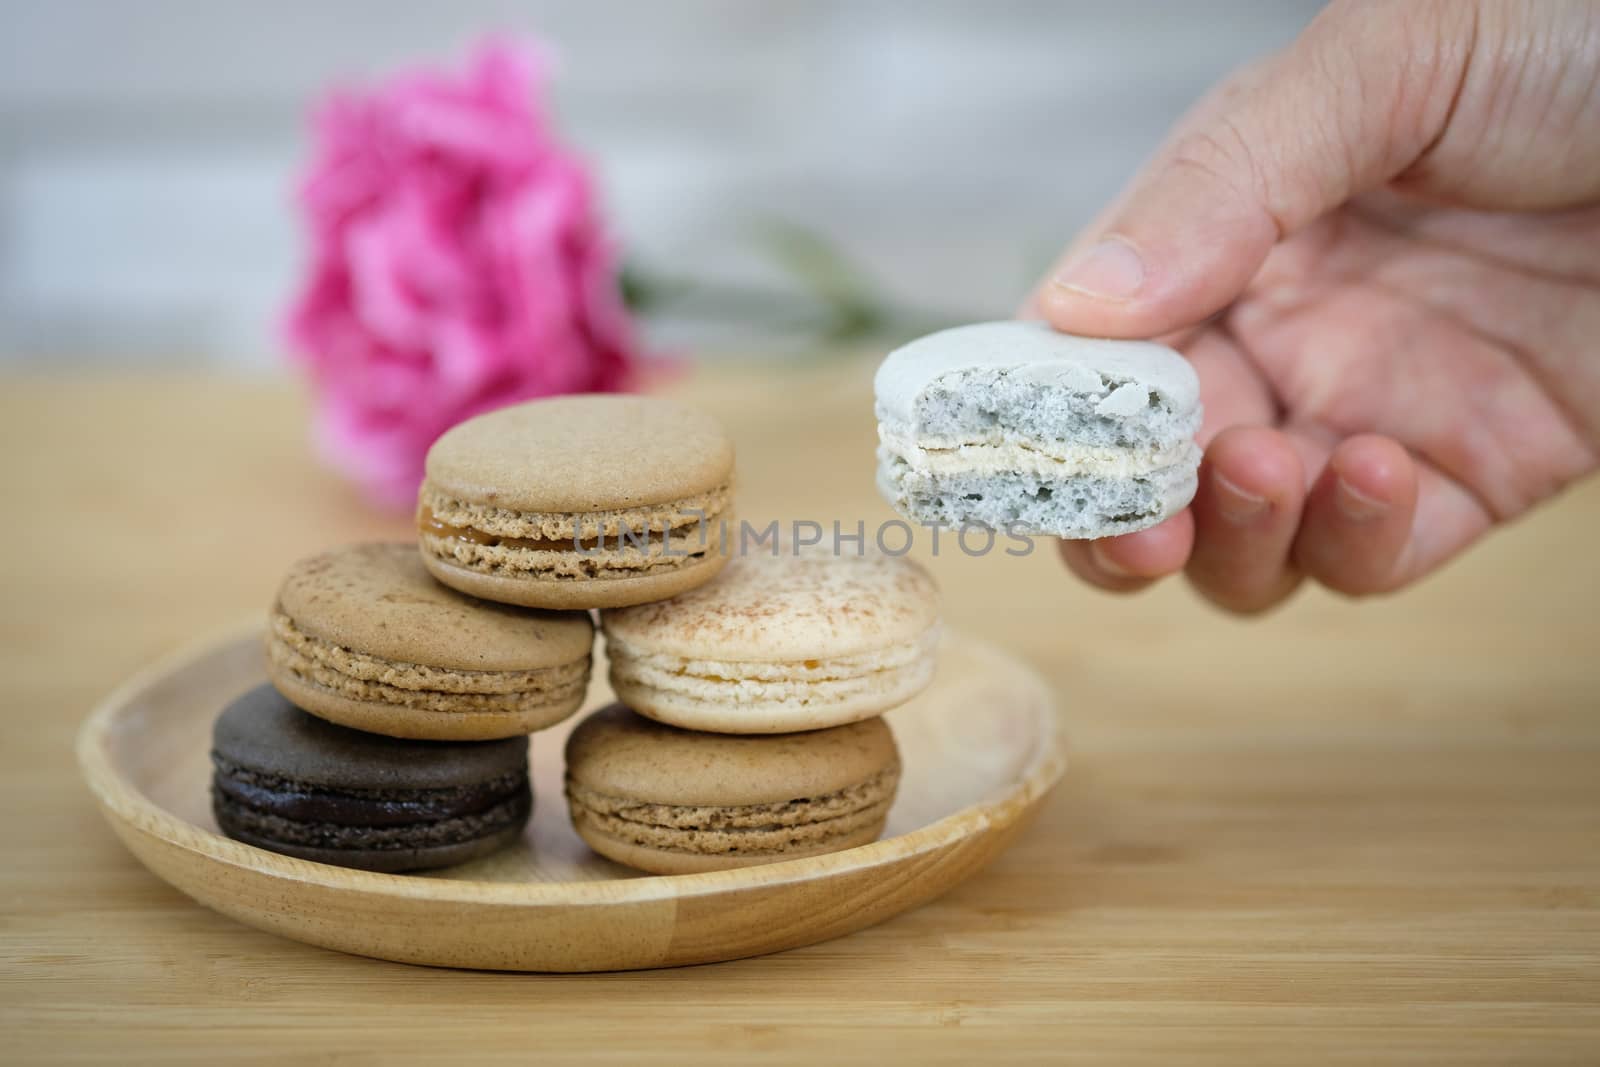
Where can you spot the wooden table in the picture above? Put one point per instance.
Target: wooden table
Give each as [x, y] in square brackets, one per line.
[1345, 832]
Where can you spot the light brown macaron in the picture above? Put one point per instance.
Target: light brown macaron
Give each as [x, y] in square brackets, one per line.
[673, 801]
[364, 637]
[578, 502]
[779, 643]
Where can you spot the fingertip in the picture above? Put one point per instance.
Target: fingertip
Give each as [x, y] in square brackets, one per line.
[1256, 461]
[1068, 311]
[1102, 290]
[1154, 553]
[1080, 560]
[1373, 476]
[1076, 312]
[1357, 534]
[1247, 508]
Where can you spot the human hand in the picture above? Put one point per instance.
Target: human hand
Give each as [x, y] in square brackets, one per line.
[1380, 248]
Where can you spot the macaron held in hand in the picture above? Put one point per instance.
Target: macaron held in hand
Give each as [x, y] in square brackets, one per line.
[292, 783]
[673, 801]
[779, 643]
[578, 502]
[365, 637]
[1015, 426]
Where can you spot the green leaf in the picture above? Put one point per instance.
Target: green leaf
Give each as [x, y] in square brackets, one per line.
[851, 305]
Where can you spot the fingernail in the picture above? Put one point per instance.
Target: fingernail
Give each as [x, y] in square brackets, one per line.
[1111, 270]
[1355, 505]
[1234, 504]
[1107, 565]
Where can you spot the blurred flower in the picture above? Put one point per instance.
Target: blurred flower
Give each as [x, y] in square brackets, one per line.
[458, 265]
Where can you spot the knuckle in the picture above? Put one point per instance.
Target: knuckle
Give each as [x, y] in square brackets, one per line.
[1222, 155]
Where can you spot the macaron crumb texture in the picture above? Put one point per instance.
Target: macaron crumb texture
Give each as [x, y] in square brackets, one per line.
[1016, 426]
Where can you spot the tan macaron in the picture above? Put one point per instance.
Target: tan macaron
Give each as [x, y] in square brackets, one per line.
[673, 801]
[364, 637]
[779, 643]
[578, 502]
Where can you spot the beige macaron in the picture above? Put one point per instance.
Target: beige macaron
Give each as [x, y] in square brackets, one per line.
[673, 801]
[578, 502]
[779, 643]
[364, 637]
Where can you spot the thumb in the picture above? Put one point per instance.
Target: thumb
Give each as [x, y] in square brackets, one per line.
[1352, 103]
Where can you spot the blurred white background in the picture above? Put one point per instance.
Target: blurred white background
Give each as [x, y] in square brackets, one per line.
[148, 150]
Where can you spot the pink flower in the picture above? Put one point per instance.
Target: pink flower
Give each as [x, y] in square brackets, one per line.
[458, 265]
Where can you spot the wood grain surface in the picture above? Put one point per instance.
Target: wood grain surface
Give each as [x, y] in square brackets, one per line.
[1348, 832]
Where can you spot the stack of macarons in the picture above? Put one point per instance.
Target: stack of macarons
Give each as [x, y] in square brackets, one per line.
[748, 726]
[405, 678]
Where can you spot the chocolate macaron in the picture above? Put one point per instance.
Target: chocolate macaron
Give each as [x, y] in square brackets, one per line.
[364, 637]
[577, 502]
[673, 801]
[779, 643]
[292, 783]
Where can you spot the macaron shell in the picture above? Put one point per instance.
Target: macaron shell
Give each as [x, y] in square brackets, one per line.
[1034, 350]
[940, 500]
[262, 731]
[388, 860]
[803, 708]
[617, 752]
[582, 453]
[420, 724]
[669, 861]
[788, 608]
[379, 599]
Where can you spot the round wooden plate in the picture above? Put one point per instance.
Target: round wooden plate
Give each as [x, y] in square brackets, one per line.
[981, 748]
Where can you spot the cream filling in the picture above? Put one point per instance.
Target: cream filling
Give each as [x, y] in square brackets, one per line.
[999, 453]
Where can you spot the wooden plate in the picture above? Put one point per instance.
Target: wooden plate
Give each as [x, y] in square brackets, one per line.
[981, 748]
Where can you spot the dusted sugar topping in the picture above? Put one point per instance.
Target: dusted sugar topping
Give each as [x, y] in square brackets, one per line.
[787, 609]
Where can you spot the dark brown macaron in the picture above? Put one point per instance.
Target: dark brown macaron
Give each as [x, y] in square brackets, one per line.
[364, 637]
[292, 783]
[674, 801]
